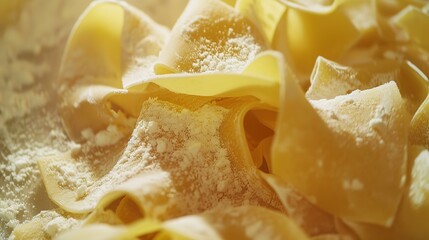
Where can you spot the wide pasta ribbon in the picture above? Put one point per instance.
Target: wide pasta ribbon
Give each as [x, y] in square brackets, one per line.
[260, 78]
[145, 155]
[330, 79]
[210, 36]
[265, 14]
[313, 220]
[323, 154]
[410, 222]
[115, 68]
[245, 222]
[100, 59]
[303, 35]
[313, 6]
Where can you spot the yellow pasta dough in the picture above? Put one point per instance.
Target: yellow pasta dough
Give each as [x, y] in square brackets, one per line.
[412, 216]
[249, 119]
[246, 222]
[210, 36]
[97, 82]
[330, 79]
[323, 154]
[301, 43]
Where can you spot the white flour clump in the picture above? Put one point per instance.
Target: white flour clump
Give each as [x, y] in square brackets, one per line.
[106, 137]
[59, 224]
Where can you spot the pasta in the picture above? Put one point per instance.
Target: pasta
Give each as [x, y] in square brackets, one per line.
[273, 119]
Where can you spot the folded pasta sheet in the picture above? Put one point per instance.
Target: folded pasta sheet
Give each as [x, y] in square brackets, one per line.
[412, 217]
[313, 220]
[336, 147]
[417, 33]
[260, 79]
[249, 119]
[419, 125]
[100, 59]
[265, 14]
[127, 54]
[210, 36]
[302, 35]
[167, 167]
[329, 79]
[246, 222]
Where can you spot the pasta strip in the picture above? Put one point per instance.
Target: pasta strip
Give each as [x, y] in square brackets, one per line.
[210, 36]
[411, 219]
[245, 222]
[322, 155]
[93, 87]
[330, 79]
[301, 37]
[309, 217]
[265, 14]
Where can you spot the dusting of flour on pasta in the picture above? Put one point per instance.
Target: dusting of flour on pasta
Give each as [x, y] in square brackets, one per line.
[184, 145]
[231, 56]
[229, 49]
[188, 142]
[29, 124]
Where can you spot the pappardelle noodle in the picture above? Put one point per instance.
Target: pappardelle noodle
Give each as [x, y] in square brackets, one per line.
[249, 119]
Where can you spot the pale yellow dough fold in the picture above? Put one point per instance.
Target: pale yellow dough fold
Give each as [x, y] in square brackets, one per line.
[245, 222]
[337, 147]
[210, 36]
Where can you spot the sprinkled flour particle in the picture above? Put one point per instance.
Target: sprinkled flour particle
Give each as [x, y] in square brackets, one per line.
[59, 224]
[109, 136]
[378, 125]
[161, 146]
[230, 51]
[30, 128]
[354, 184]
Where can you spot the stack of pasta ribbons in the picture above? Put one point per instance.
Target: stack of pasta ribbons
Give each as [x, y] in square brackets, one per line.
[316, 122]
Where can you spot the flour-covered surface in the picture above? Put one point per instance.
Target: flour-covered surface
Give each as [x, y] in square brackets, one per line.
[240, 119]
[32, 38]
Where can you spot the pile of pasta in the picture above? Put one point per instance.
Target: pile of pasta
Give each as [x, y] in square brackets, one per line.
[323, 124]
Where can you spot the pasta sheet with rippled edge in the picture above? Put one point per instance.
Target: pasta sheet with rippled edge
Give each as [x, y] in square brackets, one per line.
[210, 36]
[260, 78]
[151, 195]
[245, 222]
[255, 70]
[265, 14]
[330, 79]
[417, 33]
[303, 35]
[178, 83]
[313, 220]
[141, 189]
[100, 59]
[104, 173]
[314, 7]
[96, 95]
[412, 217]
[323, 154]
